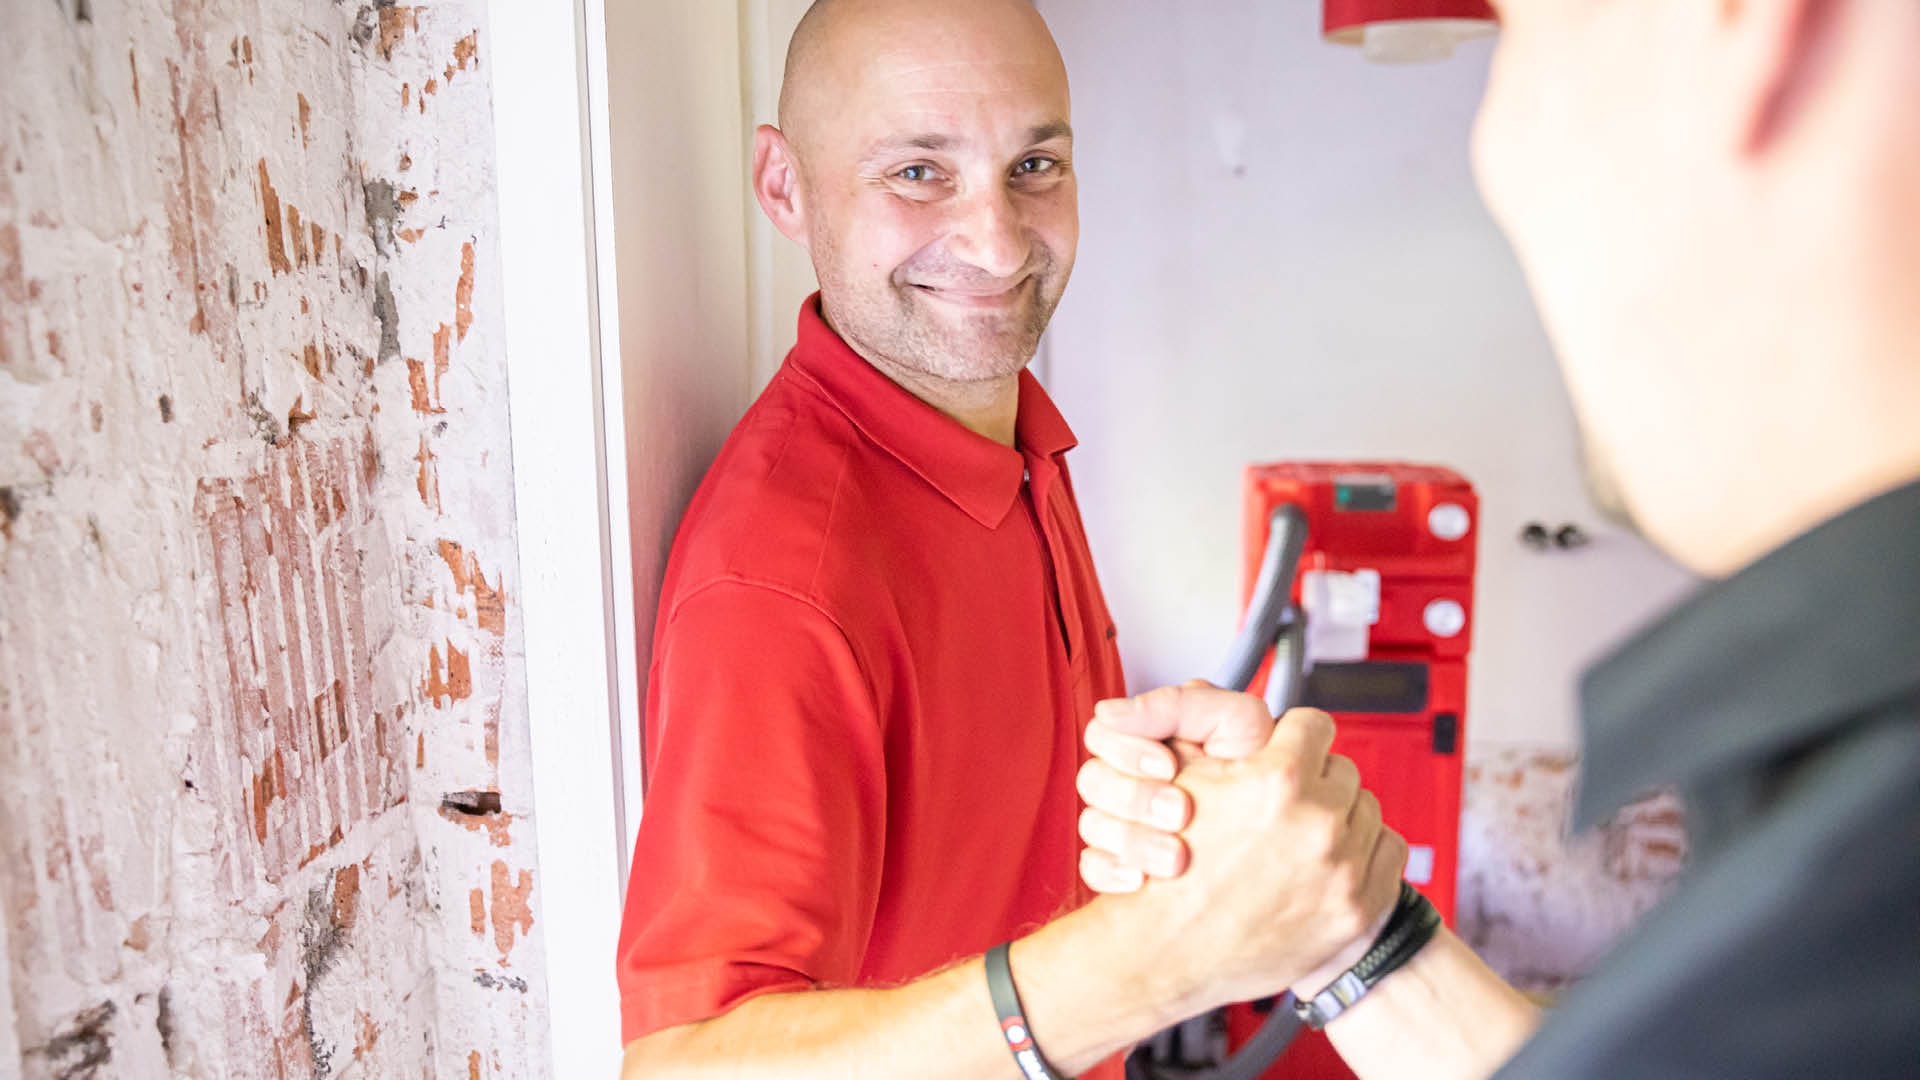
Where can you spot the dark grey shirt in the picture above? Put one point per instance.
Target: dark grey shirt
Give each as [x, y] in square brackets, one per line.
[1785, 705]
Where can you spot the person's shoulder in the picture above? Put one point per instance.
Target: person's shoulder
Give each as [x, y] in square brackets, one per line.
[770, 504]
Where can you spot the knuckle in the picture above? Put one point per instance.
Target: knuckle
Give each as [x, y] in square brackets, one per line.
[1312, 721]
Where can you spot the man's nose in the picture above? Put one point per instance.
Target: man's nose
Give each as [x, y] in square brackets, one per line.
[991, 234]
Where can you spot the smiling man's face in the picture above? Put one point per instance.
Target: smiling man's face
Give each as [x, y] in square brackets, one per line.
[935, 172]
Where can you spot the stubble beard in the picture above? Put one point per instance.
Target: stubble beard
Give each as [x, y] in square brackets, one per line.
[896, 324]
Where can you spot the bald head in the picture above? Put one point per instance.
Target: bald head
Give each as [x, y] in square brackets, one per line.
[841, 46]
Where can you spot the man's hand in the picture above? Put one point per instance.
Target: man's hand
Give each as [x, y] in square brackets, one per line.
[1290, 863]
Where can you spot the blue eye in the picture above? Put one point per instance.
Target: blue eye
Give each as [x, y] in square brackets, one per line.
[914, 174]
[1035, 165]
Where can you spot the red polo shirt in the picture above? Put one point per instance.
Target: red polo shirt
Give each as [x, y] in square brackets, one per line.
[876, 648]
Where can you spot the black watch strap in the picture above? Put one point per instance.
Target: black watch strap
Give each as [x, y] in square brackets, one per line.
[1413, 923]
[1013, 1018]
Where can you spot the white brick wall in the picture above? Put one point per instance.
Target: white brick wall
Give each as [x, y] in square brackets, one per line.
[257, 572]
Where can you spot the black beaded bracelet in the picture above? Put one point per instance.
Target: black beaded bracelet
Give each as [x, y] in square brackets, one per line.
[1013, 1018]
[1413, 923]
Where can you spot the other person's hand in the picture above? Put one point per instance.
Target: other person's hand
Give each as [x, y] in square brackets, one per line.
[1290, 863]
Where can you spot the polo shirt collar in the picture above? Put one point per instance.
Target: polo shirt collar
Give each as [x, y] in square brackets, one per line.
[1791, 649]
[978, 475]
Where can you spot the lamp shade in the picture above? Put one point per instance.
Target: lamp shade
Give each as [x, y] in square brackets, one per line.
[1407, 31]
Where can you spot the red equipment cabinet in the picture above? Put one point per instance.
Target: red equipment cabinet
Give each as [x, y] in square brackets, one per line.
[1385, 579]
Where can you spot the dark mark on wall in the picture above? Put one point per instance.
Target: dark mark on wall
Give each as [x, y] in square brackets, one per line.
[471, 803]
[164, 1022]
[166, 409]
[83, 11]
[322, 941]
[365, 22]
[388, 313]
[488, 981]
[266, 426]
[79, 1052]
[383, 210]
[9, 512]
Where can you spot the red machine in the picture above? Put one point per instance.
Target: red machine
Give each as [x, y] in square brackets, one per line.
[1359, 594]
[1383, 600]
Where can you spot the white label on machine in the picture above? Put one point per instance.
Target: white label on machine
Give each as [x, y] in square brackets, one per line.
[1341, 610]
[1420, 863]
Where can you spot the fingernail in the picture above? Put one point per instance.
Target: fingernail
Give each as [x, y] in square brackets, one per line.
[1157, 766]
[1169, 808]
[1112, 707]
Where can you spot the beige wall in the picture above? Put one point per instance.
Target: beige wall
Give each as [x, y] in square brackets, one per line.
[264, 807]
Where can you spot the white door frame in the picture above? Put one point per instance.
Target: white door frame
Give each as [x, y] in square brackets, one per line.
[570, 509]
[608, 439]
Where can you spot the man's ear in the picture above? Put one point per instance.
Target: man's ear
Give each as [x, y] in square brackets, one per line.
[1782, 49]
[776, 183]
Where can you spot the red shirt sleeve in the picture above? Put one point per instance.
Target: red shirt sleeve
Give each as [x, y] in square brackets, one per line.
[761, 842]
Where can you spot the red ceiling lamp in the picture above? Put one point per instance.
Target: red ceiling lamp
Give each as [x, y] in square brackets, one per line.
[1407, 31]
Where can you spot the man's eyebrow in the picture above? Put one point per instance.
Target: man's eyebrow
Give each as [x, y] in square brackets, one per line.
[928, 141]
[1059, 129]
[934, 142]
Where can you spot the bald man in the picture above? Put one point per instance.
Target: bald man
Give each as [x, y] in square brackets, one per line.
[881, 634]
[1718, 209]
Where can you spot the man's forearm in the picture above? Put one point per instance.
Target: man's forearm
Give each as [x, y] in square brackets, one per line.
[1444, 1016]
[1087, 993]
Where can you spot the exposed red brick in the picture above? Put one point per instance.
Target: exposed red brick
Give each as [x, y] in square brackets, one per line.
[420, 754]
[473, 1065]
[133, 65]
[511, 911]
[346, 896]
[306, 116]
[298, 234]
[276, 237]
[454, 682]
[425, 392]
[395, 22]
[490, 611]
[498, 827]
[288, 577]
[91, 857]
[13, 290]
[463, 292]
[477, 901]
[310, 359]
[466, 49]
[429, 481]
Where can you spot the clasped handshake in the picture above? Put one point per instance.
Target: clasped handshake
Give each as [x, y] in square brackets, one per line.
[1245, 848]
